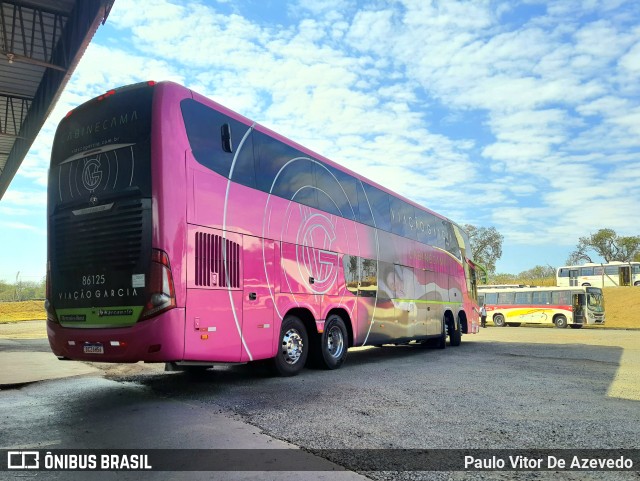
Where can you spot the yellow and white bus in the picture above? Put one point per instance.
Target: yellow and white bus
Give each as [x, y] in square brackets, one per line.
[599, 275]
[561, 306]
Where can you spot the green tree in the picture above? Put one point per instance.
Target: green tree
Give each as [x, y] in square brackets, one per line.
[486, 245]
[608, 245]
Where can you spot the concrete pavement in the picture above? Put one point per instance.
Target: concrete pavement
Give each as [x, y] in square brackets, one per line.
[25, 356]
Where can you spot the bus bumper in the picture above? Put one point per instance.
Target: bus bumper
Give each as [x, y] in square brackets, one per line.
[159, 339]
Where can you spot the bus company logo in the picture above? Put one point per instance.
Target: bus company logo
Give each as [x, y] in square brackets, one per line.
[315, 238]
[91, 174]
[23, 460]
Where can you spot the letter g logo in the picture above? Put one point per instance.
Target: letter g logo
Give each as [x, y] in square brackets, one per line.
[91, 174]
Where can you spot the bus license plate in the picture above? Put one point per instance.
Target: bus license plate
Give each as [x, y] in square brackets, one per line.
[93, 349]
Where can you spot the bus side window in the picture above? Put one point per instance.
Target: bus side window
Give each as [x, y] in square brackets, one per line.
[351, 273]
[491, 297]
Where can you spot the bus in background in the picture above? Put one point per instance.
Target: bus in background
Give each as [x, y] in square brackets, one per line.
[611, 274]
[513, 306]
[184, 233]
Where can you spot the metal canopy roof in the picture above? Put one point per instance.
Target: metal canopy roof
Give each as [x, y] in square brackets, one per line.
[41, 42]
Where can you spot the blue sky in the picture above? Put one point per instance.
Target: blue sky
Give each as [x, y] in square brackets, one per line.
[522, 115]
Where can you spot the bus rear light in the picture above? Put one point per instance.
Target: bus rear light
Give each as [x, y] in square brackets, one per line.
[161, 295]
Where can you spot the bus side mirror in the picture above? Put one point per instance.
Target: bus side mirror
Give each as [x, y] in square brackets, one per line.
[227, 145]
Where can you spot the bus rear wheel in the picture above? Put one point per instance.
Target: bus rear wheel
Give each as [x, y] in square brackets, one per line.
[455, 335]
[334, 343]
[293, 347]
[560, 322]
[498, 320]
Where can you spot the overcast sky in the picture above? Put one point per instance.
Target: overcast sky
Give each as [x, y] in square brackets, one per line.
[522, 115]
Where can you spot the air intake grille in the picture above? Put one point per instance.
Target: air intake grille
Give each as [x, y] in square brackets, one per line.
[211, 268]
[112, 238]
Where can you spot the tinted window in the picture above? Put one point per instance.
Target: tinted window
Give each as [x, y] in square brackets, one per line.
[586, 271]
[296, 181]
[204, 127]
[379, 202]
[612, 270]
[365, 214]
[425, 227]
[90, 153]
[402, 218]
[351, 272]
[523, 298]
[244, 170]
[563, 272]
[336, 192]
[369, 279]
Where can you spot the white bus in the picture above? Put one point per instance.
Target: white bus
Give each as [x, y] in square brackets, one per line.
[562, 307]
[599, 275]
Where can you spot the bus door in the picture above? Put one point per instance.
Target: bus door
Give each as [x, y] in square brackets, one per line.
[625, 275]
[579, 305]
[573, 277]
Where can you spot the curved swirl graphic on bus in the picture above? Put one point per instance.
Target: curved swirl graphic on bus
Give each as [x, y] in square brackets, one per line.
[316, 236]
[317, 233]
[111, 169]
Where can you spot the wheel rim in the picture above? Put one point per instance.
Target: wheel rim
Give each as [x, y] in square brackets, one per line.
[335, 342]
[292, 346]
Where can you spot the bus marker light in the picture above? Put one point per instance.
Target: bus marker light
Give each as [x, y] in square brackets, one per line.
[72, 343]
[204, 337]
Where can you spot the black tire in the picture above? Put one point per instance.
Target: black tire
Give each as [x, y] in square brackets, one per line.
[334, 343]
[455, 335]
[293, 347]
[561, 322]
[636, 283]
[498, 320]
[575, 326]
[441, 342]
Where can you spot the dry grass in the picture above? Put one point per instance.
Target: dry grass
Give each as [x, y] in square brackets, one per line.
[622, 306]
[22, 311]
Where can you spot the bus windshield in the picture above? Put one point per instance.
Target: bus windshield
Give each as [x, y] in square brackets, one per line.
[595, 301]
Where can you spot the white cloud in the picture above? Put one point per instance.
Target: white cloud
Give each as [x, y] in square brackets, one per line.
[510, 114]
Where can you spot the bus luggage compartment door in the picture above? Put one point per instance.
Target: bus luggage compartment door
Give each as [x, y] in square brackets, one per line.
[214, 296]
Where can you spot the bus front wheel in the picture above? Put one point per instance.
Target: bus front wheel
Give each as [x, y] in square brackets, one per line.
[293, 347]
[498, 320]
[560, 322]
[335, 341]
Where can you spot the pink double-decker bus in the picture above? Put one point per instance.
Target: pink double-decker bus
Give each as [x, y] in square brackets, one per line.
[184, 233]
